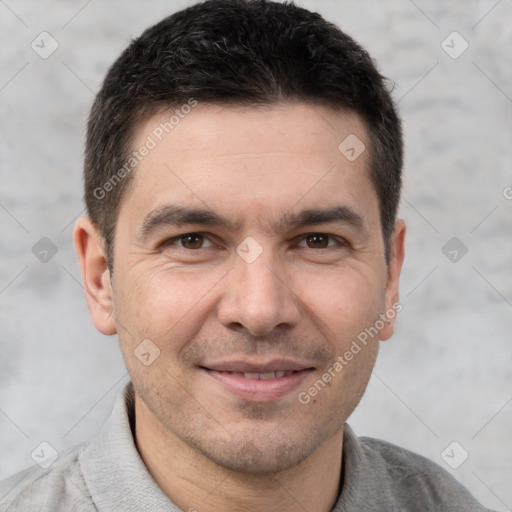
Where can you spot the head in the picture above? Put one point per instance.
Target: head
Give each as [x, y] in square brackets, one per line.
[229, 122]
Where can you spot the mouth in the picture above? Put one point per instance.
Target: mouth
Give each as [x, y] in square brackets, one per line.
[279, 374]
[258, 382]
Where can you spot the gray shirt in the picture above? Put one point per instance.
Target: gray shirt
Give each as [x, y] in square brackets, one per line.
[107, 474]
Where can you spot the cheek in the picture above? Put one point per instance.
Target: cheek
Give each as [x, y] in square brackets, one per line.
[163, 303]
[344, 302]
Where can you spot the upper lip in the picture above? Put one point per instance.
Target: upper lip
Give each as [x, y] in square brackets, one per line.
[273, 365]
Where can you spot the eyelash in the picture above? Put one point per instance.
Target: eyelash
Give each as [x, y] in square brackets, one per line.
[340, 242]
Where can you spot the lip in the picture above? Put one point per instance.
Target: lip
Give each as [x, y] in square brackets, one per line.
[241, 366]
[230, 377]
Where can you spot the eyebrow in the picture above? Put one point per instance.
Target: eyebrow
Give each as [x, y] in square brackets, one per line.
[171, 215]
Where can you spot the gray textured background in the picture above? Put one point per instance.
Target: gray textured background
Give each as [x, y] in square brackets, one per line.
[445, 376]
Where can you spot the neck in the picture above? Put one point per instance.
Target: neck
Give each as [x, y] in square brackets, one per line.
[196, 484]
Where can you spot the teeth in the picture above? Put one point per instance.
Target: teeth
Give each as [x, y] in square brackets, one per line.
[252, 376]
[268, 375]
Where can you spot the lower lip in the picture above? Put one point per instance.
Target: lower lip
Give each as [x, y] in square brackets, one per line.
[258, 390]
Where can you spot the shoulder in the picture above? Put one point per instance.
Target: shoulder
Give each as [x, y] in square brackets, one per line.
[58, 488]
[416, 482]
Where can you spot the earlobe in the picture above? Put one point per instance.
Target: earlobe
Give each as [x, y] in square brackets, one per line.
[397, 254]
[95, 275]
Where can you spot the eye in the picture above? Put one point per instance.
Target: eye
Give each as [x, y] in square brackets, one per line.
[189, 241]
[320, 241]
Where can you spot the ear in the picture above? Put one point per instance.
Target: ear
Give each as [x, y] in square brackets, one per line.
[396, 259]
[95, 275]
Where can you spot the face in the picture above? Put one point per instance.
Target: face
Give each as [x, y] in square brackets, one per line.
[249, 257]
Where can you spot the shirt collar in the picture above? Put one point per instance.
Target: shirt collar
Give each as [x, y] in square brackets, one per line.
[118, 479]
[114, 471]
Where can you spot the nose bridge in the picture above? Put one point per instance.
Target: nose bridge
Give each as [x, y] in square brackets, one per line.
[260, 276]
[257, 297]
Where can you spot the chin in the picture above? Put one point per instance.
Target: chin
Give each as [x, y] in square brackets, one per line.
[251, 456]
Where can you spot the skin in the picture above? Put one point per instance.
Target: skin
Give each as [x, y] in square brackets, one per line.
[302, 299]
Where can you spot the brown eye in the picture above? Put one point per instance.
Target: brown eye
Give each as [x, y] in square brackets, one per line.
[191, 241]
[317, 241]
[188, 241]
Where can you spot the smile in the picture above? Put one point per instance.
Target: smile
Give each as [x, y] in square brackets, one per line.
[257, 382]
[263, 376]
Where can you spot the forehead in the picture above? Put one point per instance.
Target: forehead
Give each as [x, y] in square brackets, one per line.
[246, 157]
[252, 130]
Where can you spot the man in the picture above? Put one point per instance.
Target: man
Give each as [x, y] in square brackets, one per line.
[242, 178]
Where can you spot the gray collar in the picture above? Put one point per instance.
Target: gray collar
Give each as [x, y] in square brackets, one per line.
[118, 479]
[113, 470]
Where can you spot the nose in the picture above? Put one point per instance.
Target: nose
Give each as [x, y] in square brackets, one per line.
[258, 297]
